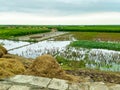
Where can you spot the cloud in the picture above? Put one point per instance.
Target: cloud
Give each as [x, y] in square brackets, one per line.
[59, 7]
[85, 19]
[59, 11]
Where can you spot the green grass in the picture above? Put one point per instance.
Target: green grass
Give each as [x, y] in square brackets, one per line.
[96, 44]
[104, 36]
[92, 28]
[10, 32]
[70, 64]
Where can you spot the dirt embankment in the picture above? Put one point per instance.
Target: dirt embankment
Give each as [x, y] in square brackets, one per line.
[97, 76]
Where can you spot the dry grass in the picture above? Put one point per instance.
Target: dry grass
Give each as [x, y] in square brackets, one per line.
[47, 66]
[10, 67]
[4, 73]
[1, 53]
[24, 61]
[3, 49]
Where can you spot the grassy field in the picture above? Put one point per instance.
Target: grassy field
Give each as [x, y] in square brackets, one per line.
[92, 28]
[96, 44]
[14, 31]
[104, 36]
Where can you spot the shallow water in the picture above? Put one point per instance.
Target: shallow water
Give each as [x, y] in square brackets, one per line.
[108, 60]
[43, 47]
[8, 44]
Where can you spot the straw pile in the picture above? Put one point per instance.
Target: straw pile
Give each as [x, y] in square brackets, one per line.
[47, 66]
[3, 49]
[10, 67]
[26, 62]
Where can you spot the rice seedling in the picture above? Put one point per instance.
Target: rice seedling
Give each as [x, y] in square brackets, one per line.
[75, 58]
[96, 44]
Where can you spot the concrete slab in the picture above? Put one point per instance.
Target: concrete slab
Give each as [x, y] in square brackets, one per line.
[40, 81]
[77, 86]
[115, 87]
[98, 86]
[21, 79]
[18, 87]
[4, 86]
[58, 84]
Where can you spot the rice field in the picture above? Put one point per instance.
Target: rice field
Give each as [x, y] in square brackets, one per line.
[91, 28]
[10, 32]
[96, 47]
[96, 44]
[97, 36]
[67, 56]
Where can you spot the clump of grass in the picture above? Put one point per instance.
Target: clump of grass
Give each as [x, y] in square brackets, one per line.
[70, 64]
[96, 44]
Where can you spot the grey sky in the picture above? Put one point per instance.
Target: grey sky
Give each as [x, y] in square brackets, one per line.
[59, 7]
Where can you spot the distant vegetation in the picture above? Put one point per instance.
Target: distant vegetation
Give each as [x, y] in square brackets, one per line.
[112, 32]
[103, 36]
[14, 31]
[96, 44]
[92, 28]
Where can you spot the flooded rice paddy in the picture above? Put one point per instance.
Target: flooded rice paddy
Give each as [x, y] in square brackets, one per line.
[102, 59]
[8, 44]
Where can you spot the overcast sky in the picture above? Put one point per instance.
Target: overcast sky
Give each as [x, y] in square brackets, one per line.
[60, 12]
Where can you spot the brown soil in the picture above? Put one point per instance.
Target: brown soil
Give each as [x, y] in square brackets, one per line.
[95, 75]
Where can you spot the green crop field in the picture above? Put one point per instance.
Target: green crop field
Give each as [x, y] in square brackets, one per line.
[92, 28]
[14, 31]
[96, 44]
[103, 36]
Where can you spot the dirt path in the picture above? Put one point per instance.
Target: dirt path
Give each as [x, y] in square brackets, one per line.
[40, 37]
